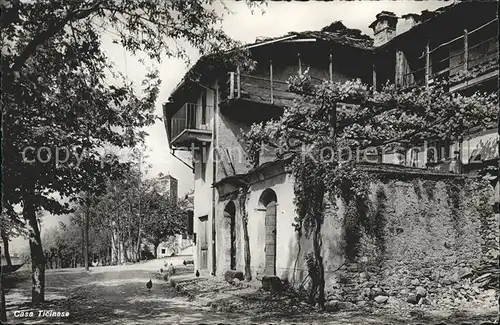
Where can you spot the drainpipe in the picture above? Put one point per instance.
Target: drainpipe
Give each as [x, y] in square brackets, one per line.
[214, 171]
[214, 139]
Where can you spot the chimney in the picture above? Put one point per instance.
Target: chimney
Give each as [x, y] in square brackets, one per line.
[384, 27]
[407, 22]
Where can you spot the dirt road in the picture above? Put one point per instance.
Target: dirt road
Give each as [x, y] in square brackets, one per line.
[108, 295]
[118, 295]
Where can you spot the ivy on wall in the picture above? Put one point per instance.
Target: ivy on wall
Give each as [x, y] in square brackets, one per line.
[242, 200]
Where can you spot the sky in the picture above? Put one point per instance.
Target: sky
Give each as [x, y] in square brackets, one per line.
[275, 19]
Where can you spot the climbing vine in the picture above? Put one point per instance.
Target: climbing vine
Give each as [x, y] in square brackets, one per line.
[330, 125]
[242, 200]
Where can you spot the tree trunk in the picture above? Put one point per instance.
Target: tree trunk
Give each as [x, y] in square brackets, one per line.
[156, 249]
[129, 257]
[123, 256]
[60, 258]
[246, 248]
[37, 257]
[82, 260]
[139, 251]
[125, 253]
[246, 239]
[5, 240]
[139, 241]
[119, 258]
[3, 312]
[317, 243]
[113, 253]
[86, 233]
[133, 251]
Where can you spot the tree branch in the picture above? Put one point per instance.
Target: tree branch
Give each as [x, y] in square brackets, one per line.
[45, 35]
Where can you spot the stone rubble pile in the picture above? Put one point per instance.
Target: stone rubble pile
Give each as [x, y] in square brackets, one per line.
[455, 287]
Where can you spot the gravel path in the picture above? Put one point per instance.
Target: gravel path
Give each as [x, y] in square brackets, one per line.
[118, 295]
[108, 295]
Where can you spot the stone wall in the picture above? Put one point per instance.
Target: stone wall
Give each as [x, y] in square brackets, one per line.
[424, 237]
[232, 157]
[420, 241]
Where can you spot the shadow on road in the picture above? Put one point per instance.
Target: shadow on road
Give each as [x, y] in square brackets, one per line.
[118, 295]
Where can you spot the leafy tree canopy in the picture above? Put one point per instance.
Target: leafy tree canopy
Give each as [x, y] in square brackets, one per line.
[58, 92]
[59, 107]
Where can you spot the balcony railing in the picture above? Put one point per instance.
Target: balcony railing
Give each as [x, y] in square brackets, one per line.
[462, 58]
[257, 89]
[260, 89]
[188, 117]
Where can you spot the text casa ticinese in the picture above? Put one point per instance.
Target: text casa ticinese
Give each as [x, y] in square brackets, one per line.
[40, 313]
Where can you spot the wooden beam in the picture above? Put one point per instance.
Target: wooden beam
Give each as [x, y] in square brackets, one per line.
[271, 78]
[231, 84]
[466, 50]
[399, 69]
[427, 64]
[396, 71]
[300, 63]
[330, 68]
[300, 40]
[474, 81]
[457, 38]
[269, 42]
[333, 121]
[238, 81]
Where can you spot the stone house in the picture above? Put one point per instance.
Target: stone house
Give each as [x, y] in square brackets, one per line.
[209, 117]
[173, 246]
[420, 49]
[426, 215]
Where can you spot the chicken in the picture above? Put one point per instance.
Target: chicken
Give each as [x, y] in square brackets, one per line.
[149, 285]
[171, 269]
[197, 274]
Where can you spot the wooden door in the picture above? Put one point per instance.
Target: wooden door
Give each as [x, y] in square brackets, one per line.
[233, 242]
[270, 247]
[204, 243]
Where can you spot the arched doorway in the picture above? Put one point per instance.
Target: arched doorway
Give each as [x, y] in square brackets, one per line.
[229, 215]
[268, 201]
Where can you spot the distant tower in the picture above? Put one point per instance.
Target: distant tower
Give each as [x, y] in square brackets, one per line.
[169, 187]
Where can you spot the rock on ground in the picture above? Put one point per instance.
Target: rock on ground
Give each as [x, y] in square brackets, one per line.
[381, 299]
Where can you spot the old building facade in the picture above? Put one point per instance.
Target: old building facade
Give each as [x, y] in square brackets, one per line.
[208, 118]
[420, 50]
[243, 216]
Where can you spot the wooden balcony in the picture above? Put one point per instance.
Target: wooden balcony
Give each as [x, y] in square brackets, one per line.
[250, 98]
[463, 62]
[186, 127]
